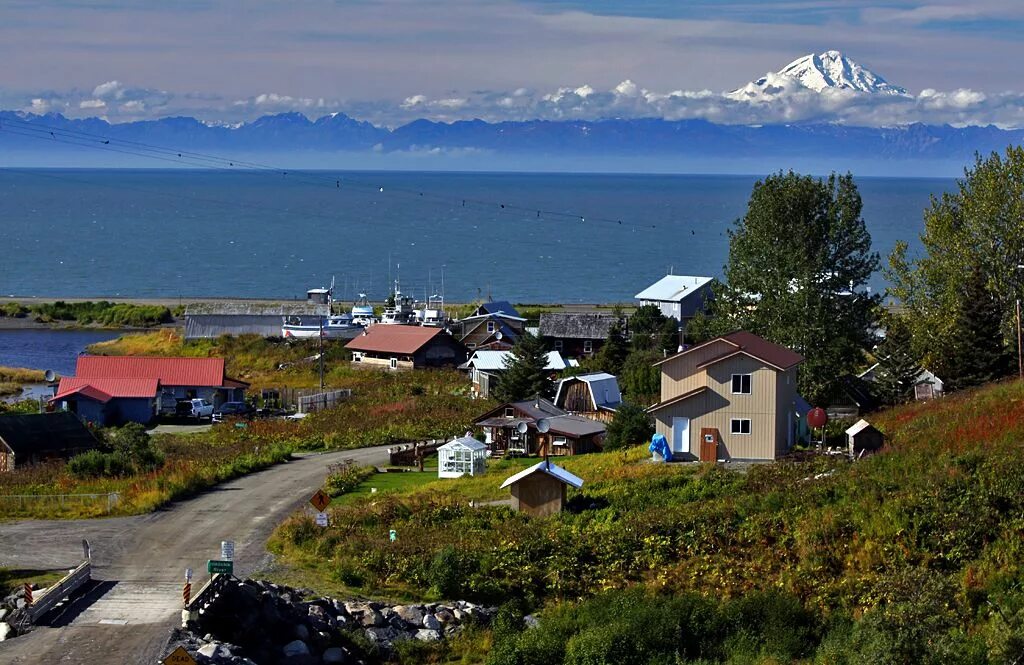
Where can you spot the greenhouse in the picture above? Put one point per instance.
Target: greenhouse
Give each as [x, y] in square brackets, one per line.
[462, 456]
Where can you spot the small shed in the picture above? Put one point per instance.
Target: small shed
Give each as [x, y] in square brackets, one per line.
[460, 457]
[34, 438]
[540, 490]
[864, 439]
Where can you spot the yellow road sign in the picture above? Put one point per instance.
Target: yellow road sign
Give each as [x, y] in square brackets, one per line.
[179, 657]
[320, 500]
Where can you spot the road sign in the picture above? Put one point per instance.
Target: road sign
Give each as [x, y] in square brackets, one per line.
[220, 567]
[227, 550]
[321, 519]
[188, 574]
[179, 657]
[320, 500]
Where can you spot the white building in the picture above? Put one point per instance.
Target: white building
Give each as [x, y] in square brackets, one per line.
[679, 297]
[460, 457]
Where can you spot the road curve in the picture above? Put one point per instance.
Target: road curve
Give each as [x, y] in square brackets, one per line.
[141, 560]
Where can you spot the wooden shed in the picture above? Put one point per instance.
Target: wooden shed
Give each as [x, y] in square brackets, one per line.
[541, 489]
[864, 439]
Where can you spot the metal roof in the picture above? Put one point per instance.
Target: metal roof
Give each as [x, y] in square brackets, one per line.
[550, 469]
[256, 309]
[464, 442]
[45, 432]
[858, 427]
[105, 388]
[496, 306]
[749, 344]
[604, 389]
[385, 338]
[575, 426]
[207, 372]
[673, 288]
[494, 361]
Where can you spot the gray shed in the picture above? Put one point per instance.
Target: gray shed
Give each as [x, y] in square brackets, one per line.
[212, 319]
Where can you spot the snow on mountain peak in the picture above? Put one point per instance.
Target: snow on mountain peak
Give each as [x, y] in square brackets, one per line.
[820, 72]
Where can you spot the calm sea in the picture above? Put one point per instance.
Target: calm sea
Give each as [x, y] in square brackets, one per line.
[48, 349]
[93, 233]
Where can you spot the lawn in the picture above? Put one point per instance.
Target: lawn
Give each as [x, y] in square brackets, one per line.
[12, 579]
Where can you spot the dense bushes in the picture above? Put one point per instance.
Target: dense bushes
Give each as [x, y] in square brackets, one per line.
[103, 313]
[347, 479]
[132, 451]
[630, 426]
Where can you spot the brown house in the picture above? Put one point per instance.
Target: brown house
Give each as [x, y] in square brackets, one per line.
[397, 347]
[733, 397]
[538, 427]
[541, 489]
[595, 395]
[575, 335]
[493, 326]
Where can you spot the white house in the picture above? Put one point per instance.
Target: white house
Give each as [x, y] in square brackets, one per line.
[679, 297]
[484, 368]
[927, 385]
[460, 457]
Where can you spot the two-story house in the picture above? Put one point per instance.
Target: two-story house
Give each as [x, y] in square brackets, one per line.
[733, 397]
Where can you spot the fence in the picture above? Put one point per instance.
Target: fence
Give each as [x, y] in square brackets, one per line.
[206, 596]
[320, 401]
[31, 503]
[407, 454]
[54, 594]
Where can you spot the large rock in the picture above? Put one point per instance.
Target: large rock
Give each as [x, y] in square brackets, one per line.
[430, 622]
[6, 631]
[3, 613]
[295, 648]
[411, 614]
[301, 632]
[426, 635]
[216, 652]
[333, 656]
[372, 618]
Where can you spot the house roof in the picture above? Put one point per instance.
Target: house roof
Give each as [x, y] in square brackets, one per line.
[858, 427]
[494, 361]
[677, 399]
[603, 387]
[576, 325]
[169, 371]
[105, 389]
[383, 338]
[548, 468]
[673, 288]
[749, 344]
[256, 309]
[464, 442]
[45, 432]
[574, 426]
[533, 409]
[496, 306]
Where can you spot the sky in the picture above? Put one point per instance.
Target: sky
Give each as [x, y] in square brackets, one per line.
[392, 61]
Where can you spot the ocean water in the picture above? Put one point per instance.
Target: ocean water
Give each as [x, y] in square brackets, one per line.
[48, 349]
[178, 234]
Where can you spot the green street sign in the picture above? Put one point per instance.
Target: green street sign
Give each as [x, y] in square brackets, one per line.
[220, 567]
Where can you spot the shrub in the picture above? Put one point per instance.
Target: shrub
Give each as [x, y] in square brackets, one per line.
[630, 426]
[347, 479]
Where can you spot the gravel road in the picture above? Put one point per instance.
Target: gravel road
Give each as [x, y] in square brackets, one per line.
[140, 561]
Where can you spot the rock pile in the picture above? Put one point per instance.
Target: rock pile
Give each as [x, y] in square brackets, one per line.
[11, 608]
[267, 624]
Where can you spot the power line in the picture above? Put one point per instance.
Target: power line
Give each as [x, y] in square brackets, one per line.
[41, 131]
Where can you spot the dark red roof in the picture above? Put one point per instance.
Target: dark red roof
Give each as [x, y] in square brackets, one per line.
[387, 338]
[169, 371]
[746, 342]
[105, 389]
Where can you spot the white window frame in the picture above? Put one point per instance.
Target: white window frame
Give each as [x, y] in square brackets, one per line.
[510, 412]
[490, 326]
[750, 384]
[588, 346]
[560, 441]
[738, 431]
[394, 363]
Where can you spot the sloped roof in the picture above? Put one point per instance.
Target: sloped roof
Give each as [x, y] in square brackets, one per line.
[747, 343]
[550, 469]
[677, 399]
[494, 361]
[45, 432]
[383, 338]
[533, 409]
[169, 371]
[574, 426]
[256, 309]
[576, 325]
[496, 306]
[465, 441]
[603, 387]
[105, 389]
[858, 427]
[673, 288]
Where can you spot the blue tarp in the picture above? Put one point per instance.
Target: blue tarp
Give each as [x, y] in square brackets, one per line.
[659, 446]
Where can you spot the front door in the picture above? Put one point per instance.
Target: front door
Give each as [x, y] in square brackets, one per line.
[680, 436]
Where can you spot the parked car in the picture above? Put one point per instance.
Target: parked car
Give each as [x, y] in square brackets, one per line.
[199, 409]
[232, 410]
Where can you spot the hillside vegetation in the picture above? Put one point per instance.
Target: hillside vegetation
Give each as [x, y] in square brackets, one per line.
[913, 555]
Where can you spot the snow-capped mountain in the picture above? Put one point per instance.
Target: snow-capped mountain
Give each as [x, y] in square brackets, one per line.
[824, 71]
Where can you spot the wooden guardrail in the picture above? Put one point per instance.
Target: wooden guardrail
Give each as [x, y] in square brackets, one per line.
[205, 597]
[406, 454]
[63, 588]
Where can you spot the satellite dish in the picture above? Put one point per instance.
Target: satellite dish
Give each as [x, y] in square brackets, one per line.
[498, 335]
[49, 376]
[543, 425]
[522, 428]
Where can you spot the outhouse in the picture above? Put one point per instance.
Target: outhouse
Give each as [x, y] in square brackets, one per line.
[460, 457]
[540, 490]
[864, 439]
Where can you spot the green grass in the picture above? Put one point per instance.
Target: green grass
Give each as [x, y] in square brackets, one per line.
[12, 579]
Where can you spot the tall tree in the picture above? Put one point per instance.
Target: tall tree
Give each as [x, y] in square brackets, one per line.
[526, 374]
[799, 263]
[898, 369]
[653, 331]
[978, 352]
[613, 352]
[979, 226]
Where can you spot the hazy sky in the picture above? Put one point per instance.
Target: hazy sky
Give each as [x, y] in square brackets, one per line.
[392, 60]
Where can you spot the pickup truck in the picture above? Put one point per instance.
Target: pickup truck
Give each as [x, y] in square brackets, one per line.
[198, 409]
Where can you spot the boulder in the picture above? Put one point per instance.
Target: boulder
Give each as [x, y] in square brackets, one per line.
[216, 652]
[6, 631]
[427, 635]
[411, 614]
[372, 618]
[3, 613]
[531, 621]
[295, 648]
[431, 622]
[301, 632]
[333, 656]
[444, 615]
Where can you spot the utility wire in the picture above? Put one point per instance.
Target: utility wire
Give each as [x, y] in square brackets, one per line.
[200, 160]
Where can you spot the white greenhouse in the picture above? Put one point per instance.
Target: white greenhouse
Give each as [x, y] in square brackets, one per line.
[460, 457]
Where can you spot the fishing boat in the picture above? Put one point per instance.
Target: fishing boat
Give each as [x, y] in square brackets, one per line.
[332, 326]
[362, 312]
[401, 311]
[432, 315]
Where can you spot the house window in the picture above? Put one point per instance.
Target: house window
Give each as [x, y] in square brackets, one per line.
[510, 412]
[394, 363]
[739, 425]
[490, 326]
[560, 441]
[471, 345]
[740, 384]
[558, 345]
[357, 357]
[588, 346]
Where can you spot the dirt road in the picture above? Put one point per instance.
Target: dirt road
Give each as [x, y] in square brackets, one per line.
[141, 562]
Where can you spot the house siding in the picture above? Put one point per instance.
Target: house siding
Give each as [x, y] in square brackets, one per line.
[680, 375]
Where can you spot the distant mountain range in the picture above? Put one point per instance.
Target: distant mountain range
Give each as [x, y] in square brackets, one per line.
[26, 133]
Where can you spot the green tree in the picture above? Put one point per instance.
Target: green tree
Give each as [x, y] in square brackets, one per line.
[977, 353]
[799, 263]
[640, 379]
[526, 373]
[135, 446]
[630, 426]
[979, 226]
[614, 351]
[898, 369]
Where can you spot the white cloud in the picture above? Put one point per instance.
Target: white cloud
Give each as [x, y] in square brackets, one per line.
[91, 104]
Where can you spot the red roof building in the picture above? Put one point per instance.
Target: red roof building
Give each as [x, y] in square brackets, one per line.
[399, 347]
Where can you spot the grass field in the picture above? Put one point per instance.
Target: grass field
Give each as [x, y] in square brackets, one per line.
[12, 579]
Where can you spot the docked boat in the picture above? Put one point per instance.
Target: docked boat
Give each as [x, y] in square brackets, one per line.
[362, 312]
[432, 315]
[402, 311]
[336, 326]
